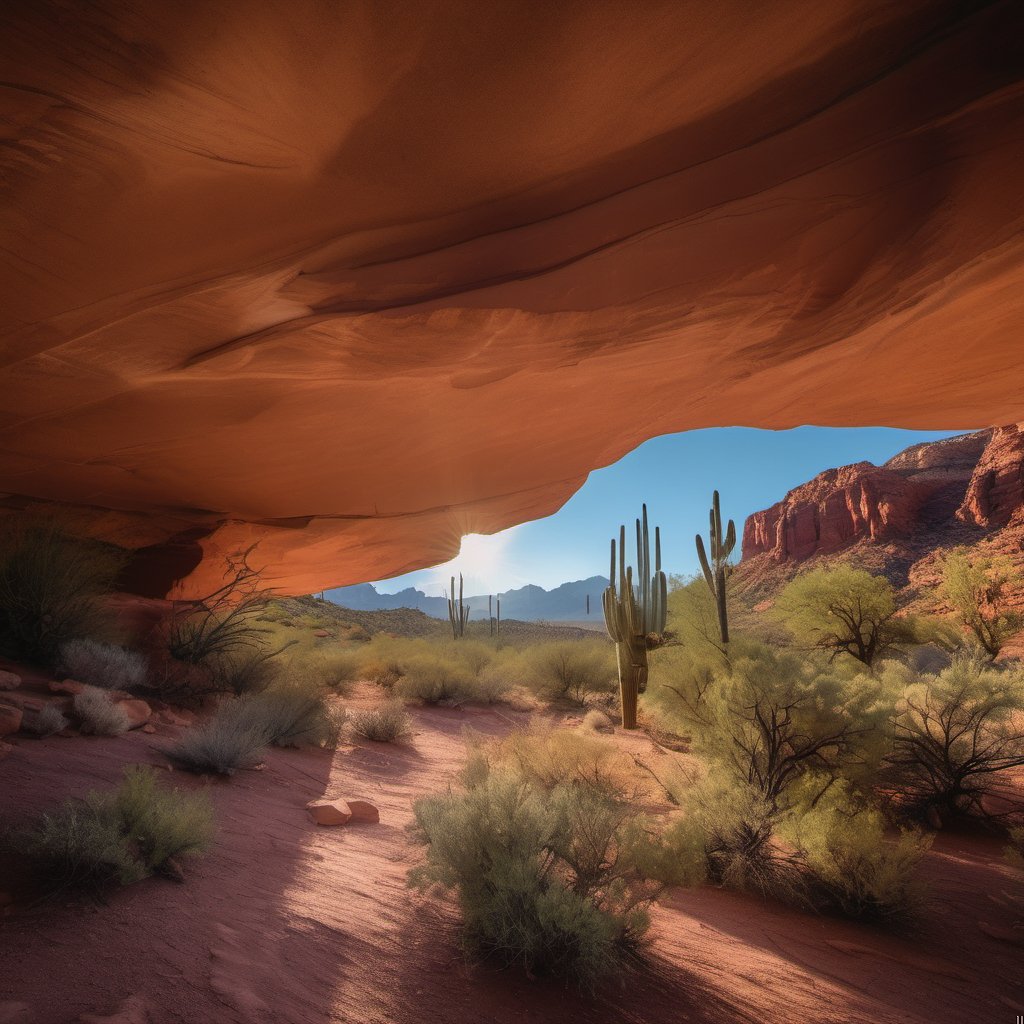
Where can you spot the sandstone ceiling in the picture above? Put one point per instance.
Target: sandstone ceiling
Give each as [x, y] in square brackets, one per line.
[353, 279]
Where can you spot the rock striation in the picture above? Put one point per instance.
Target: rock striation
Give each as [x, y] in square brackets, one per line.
[347, 286]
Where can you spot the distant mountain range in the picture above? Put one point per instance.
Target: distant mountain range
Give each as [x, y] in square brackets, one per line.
[566, 603]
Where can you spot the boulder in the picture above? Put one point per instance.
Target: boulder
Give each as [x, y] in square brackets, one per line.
[363, 811]
[329, 812]
[138, 712]
[10, 719]
[9, 680]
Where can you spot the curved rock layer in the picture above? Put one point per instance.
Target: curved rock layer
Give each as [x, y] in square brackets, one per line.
[350, 280]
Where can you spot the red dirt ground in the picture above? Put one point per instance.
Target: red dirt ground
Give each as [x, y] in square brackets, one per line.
[286, 922]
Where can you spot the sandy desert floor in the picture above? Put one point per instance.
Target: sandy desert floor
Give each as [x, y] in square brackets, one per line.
[284, 921]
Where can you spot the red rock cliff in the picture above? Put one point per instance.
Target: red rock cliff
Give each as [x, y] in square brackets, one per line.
[914, 492]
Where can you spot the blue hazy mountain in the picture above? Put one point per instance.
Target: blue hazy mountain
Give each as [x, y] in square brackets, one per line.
[567, 602]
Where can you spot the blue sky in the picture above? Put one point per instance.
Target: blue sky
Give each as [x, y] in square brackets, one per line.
[675, 474]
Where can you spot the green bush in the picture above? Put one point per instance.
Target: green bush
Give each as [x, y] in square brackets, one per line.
[846, 611]
[831, 855]
[853, 869]
[571, 669]
[434, 679]
[544, 878]
[382, 724]
[99, 714]
[286, 715]
[770, 718]
[51, 591]
[118, 836]
[105, 665]
[954, 733]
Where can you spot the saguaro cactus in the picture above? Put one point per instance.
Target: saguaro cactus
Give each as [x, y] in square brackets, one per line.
[635, 615]
[716, 569]
[458, 615]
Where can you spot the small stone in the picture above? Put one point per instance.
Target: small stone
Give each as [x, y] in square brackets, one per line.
[329, 812]
[138, 712]
[72, 687]
[9, 680]
[10, 719]
[321, 633]
[5, 749]
[364, 811]
[149, 727]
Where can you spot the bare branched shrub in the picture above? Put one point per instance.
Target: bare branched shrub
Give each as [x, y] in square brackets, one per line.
[382, 724]
[105, 665]
[99, 714]
[955, 733]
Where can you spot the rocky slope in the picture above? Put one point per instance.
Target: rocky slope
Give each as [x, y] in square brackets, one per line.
[349, 285]
[897, 518]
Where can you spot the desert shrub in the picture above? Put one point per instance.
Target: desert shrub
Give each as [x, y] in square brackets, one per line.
[118, 836]
[727, 834]
[162, 823]
[548, 758]
[383, 724]
[846, 611]
[830, 855]
[383, 673]
[545, 878]
[220, 746]
[51, 590]
[46, 722]
[851, 868]
[104, 665]
[597, 721]
[334, 670]
[475, 655]
[978, 590]
[287, 715]
[434, 679]
[769, 718]
[571, 669]
[954, 733]
[245, 670]
[99, 714]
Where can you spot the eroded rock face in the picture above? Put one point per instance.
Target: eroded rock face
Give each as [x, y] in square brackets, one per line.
[996, 490]
[915, 491]
[348, 285]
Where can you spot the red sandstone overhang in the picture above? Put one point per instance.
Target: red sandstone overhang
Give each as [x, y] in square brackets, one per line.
[351, 280]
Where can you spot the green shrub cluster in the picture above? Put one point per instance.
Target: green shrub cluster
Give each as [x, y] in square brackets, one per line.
[286, 715]
[383, 724]
[116, 836]
[545, 862]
